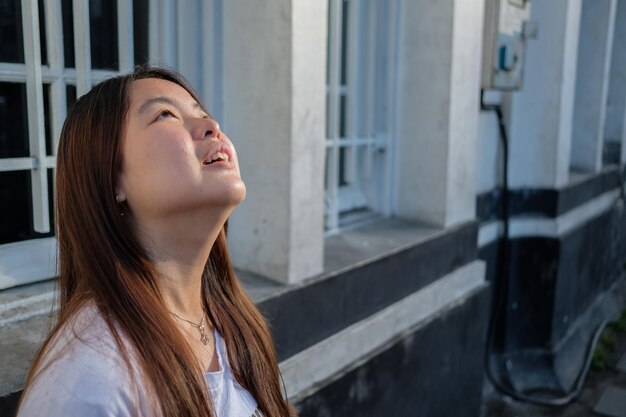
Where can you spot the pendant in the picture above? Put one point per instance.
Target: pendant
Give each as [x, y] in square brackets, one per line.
[204, 337]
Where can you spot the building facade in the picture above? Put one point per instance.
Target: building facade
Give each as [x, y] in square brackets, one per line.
[378, 228]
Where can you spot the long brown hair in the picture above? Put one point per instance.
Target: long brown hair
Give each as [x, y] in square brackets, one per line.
[102, 261]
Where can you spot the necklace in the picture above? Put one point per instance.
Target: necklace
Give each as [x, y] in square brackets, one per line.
[204, 336]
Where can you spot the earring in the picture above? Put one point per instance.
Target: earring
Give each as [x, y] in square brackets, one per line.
[118, 201]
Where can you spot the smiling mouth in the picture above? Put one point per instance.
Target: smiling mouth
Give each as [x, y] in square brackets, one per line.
[216, 157]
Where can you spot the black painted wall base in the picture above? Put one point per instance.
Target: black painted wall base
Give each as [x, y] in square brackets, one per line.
[436, 371]
[320, 308]
[554, 284]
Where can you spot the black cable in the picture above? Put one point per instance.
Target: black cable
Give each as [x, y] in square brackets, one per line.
[501, 287]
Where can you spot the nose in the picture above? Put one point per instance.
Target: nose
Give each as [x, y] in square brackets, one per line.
[208, 129]
[213, 129]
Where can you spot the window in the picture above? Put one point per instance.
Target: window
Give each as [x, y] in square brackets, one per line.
[187, 35]
[362, 41]
[53, 52]
[42, 71]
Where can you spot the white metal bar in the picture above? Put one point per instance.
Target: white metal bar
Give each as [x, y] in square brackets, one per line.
[372, 36]
[154, 51]
[208, 51]
[25, 164]
[82, 46]
[15, 73]
[34, 102]
[168, 36]
[355, 142]
[17, 164]
[162, 37]
[341, 89]
[334, 62]
[50, 162]
[125, 44]
[352, 98]
[96, 75]
[171, 36]
[351, 196]
[56, 63]
[218, 60]
[71, 76]
[391, 166]
[212, 60]
[181, 47]
[54, 35]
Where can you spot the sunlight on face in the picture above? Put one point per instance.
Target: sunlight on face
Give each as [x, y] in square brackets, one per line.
[176, 160]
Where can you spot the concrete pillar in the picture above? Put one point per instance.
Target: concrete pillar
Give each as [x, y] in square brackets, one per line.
[614, 132]
[592, 79]
[438, 109]
[274, 111]
[541, 112]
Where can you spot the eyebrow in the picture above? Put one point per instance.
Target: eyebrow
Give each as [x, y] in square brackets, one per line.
[167, 100]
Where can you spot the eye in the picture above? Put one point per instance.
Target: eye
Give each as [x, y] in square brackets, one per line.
[164, 115]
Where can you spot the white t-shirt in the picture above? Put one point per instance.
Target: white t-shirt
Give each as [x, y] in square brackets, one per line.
[87, 376]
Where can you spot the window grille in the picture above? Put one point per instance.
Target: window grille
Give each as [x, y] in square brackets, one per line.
[362, 40]
[52, 52]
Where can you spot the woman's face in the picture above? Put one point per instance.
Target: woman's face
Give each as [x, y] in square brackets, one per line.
[175, 158]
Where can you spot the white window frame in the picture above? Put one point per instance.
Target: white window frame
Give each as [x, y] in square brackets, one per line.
[34, 260]
[372, 38]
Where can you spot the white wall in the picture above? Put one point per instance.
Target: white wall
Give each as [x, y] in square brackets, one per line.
[488, 158]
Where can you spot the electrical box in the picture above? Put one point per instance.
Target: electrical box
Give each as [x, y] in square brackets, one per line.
[507, 27]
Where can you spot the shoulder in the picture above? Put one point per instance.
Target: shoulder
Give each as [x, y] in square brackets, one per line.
[82, 373]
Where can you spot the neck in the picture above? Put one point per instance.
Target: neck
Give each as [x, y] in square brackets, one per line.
[179, 250]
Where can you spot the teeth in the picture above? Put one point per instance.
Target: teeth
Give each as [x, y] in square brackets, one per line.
[217, 156]
[220, 155]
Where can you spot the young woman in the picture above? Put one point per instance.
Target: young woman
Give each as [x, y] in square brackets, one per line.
[152, 319]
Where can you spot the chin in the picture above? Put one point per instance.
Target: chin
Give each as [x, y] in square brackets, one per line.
[234, 194]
